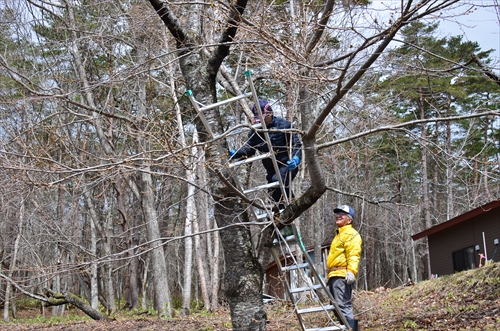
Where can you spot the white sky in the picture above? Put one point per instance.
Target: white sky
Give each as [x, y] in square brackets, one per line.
[477, 20]
[480, 24]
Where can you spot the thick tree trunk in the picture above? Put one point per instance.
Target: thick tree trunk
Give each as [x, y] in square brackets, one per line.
[244, 274]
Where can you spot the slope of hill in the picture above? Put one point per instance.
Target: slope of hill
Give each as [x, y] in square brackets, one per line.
[469, 300]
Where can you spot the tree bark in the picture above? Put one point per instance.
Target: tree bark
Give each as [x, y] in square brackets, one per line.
[424, 175]
[245, 264]
[57, 299]
[200, 253]
[8, 288]
[51, 298]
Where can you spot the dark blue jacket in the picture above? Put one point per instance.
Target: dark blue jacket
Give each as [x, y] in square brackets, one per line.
[280, 141]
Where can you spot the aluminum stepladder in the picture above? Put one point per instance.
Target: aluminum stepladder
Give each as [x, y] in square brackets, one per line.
[304, 296]
[200, 109]
[287, 268]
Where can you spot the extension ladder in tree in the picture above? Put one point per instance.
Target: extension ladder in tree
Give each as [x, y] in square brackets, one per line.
[329, 323]
[305, 287]
[200, 109]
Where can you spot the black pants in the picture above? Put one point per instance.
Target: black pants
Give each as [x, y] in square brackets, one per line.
[286, 176]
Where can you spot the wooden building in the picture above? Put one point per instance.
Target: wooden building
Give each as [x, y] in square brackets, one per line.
[464, 242]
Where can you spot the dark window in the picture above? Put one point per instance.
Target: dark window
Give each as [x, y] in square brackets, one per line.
[464, 259]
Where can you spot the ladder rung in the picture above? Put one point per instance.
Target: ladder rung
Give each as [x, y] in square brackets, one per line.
[261, 187]
[328, 328]
[249, 159]
[261, 216]
[295, 266]
[306, 288]
[257, 125]
[239, 131]
[315, 309]
[223, 102]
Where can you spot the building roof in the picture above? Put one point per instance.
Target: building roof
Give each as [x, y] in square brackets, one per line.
[457, 220]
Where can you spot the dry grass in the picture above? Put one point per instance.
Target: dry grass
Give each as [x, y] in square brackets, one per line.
[469, 300]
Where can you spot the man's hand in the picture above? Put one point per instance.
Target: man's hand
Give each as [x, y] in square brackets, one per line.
[349, 278]
[293, 163]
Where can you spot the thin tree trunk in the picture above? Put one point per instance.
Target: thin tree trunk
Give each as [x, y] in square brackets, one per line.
[191, 213]
[449, 165]
[144, 290]
[213, 244]
[209, 264]
[198, 251]
[12, 266]
[201, 270]
[486, 163]
[94, 288]
[95, 227]
[108, 267]
[188, 243]
[56, 284]
[131, 285]
[133, 270]
[160, 280]
[103, 140]
[425, 181]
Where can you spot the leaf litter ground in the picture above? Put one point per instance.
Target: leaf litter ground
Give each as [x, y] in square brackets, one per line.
[468, 300]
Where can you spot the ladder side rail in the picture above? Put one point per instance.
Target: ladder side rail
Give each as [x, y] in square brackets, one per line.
[300, 269]
[284, 281]
[189, 93]
[266, 136]
[321, 284]
[223, 102]
[249, 159]
[311, 287]
[237, 132]
[319, 277]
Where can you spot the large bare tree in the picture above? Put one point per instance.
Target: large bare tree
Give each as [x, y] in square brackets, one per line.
[206, 33]
[92, 114]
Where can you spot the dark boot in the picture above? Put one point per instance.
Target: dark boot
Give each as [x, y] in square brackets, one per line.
[353, 324]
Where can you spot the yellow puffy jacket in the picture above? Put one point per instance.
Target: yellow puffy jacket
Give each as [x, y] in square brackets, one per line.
[345, 252]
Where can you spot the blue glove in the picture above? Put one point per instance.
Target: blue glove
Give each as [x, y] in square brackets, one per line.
[231, 153]
[293, 163]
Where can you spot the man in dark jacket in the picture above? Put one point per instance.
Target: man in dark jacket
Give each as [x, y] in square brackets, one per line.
[280, 138]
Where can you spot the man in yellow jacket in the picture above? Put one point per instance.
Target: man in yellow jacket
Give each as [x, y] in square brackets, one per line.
[343, 261]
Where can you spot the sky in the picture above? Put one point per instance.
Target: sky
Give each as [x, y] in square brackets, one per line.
[480, 24]
[477, 20]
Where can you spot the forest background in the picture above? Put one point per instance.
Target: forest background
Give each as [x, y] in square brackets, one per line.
[112, 190]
